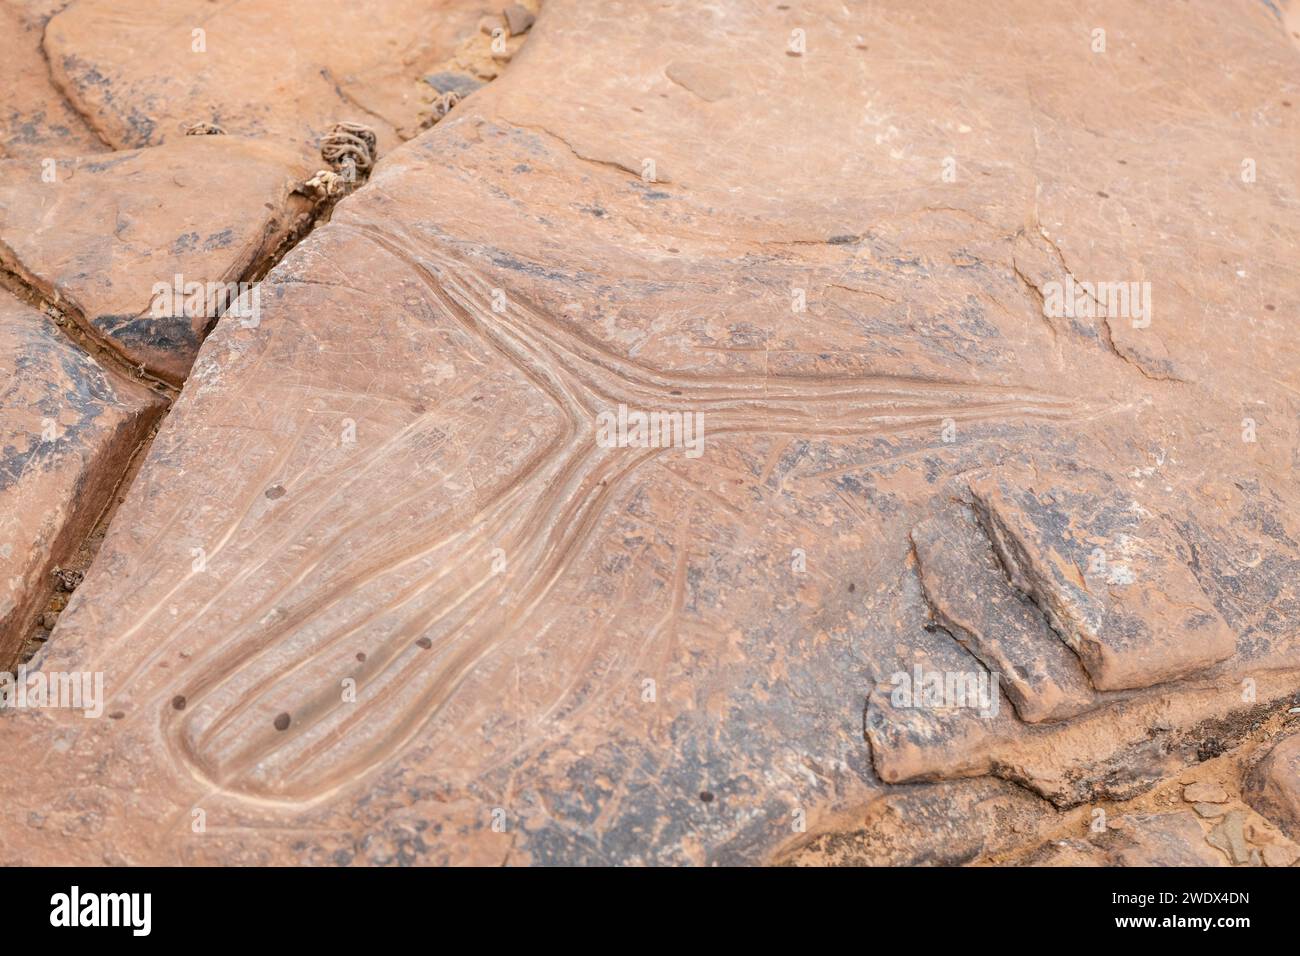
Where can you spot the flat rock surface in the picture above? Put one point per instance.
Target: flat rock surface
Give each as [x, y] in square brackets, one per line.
[397, 585]
[143, 71]
[123, 242]
[66, 427]
[36, 122]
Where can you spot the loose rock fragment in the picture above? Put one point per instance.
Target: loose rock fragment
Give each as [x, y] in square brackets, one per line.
[972, 598]
[1205, 793]
[1276, 855]
[1111, 576]
[1229, 837]
[519, 19]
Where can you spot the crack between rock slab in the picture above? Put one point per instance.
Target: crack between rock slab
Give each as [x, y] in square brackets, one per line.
[70, 321]
[85, 117]
[1109, 337]
[87, 549]
[1036, 294]
[607, 163]
[1255, 730]
[76, 328]
[266, 259]
[1107, 333]
[866, 292]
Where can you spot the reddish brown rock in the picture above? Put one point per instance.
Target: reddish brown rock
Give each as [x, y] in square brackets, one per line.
[519, 19]
[1280, 856]
[281, 70]
[1159, 839]
[1273, 788]
[36, 122]
[383, 583]
[144, 248]
[1205, 793]
[1112, 576]
[67, 428]
[971, 597]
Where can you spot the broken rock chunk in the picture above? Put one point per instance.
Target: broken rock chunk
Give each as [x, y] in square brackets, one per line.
[145, 70]
[1110, 575]
[970, 596]
[939, 718]
[1229, 837]
[1205, 793]
[519, 19]
[1160, 839]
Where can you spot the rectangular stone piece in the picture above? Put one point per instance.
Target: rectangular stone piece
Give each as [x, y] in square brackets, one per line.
[970, 596]
[918, 730]
[1108, 573]
[67, 429]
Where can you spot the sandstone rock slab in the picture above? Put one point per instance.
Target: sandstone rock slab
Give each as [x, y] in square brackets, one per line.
[282, 71]
[36, 122]
[144, 248]
[1112, 577]
[972, 598]
[67, 428]
[431, 617]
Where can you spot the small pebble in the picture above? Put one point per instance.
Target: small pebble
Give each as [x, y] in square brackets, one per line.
[518, 19]
[1205, 793]
[65, 579]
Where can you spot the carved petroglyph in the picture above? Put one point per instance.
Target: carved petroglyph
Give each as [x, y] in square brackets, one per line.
[450, 611]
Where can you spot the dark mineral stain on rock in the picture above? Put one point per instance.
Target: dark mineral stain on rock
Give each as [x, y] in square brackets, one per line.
[449, 82]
